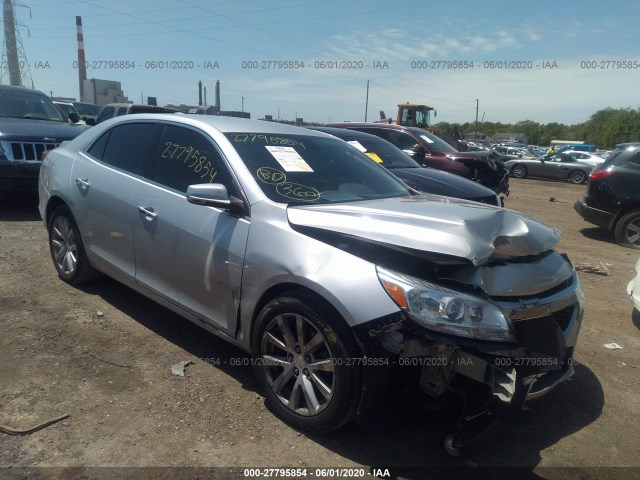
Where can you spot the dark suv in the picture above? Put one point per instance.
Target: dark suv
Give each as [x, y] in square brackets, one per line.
[30, 124]
[430, 150]
[612, 200]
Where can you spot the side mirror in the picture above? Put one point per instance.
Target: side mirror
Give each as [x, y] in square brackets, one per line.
[74, 117]
[416, 150]
[90, 121]
[214, 195]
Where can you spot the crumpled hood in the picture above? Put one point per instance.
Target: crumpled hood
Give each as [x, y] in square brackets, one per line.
[441, 225]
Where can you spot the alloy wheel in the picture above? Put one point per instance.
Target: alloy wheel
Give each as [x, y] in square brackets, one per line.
[64, 246]
[632, 232]
[299, 366]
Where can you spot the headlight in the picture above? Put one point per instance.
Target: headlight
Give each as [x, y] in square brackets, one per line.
[446, 311]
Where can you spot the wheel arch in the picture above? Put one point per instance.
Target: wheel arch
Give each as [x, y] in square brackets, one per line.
[624, 209]
[54, 202]
[297, 290]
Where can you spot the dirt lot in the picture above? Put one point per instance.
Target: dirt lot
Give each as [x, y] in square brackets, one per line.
[103, 353]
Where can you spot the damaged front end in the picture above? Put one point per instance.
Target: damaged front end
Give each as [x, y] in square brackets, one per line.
[506, 329]
[485, 302]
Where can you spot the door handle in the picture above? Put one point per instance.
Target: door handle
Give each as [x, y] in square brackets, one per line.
[82, 183]
[148, 213]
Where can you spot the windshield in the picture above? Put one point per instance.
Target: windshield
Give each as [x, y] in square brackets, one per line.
[28, 105]
[296, 169]
[434, 142]
[86, 108]
[65, 109]
[383, 153]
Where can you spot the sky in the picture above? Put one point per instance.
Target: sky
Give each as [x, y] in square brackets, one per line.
[544, 60]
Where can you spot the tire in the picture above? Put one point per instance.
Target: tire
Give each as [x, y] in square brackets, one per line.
[67, 249]
[518, 171]
[577, 177]
[627, 230]
[304, 360]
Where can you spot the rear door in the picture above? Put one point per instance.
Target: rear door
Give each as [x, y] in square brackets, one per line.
[103, 184]
[190, 255]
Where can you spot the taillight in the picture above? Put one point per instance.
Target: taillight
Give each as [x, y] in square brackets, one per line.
[600, 174]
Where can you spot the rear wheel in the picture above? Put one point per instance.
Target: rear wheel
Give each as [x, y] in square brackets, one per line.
[577, 177]
[627, 231]
[519, 171]
[304, 357]
[67, 250]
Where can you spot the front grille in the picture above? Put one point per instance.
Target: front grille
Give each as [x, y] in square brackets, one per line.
[29, 150]
[563, 317]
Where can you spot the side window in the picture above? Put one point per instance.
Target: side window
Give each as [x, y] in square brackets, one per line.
[132, 147]
[105, 114]
[97, 149]
[121, 111]
[401, 140]
[634, 160]
[187, 157]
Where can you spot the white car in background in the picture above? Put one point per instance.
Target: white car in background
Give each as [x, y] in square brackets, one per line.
[633, 289]
[585, 157]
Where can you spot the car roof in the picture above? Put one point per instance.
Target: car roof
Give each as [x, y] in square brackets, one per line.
[628, 145]
[391, 126]
[16, 89]
[223, 124]
[345, 132]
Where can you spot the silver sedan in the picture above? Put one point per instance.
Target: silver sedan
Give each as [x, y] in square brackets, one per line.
[296, 247]
[558, 166]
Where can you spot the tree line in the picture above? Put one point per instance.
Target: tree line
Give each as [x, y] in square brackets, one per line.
[604, 129]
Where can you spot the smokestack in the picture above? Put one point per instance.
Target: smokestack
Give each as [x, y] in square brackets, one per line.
[12, 46]
[205, 96]
[217, 96]
[82, 69]
[200, 93]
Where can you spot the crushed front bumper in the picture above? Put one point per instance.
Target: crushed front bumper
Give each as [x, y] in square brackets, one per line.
[546, 326]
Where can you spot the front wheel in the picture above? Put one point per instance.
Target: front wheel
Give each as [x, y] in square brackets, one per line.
[306, 361]
[627, 231]
[67, 250]
[519, 171]
[577, 177]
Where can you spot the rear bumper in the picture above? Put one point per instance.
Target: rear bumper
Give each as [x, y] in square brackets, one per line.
[593, 215]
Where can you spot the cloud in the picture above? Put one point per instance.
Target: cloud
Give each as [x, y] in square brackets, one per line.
[402, 45]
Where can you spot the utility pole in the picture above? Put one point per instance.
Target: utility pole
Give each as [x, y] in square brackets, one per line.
[14, 68]
[476, 134]
[242, 104]
[12, 45]
[366, 105]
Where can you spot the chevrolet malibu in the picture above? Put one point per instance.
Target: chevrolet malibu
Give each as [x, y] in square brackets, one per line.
[328, 270]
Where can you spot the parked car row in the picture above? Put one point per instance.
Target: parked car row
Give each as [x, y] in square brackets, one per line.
[426, 180]
[305, 252]
[431, 151]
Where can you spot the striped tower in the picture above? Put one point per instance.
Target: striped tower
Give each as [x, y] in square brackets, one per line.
[82, 70]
